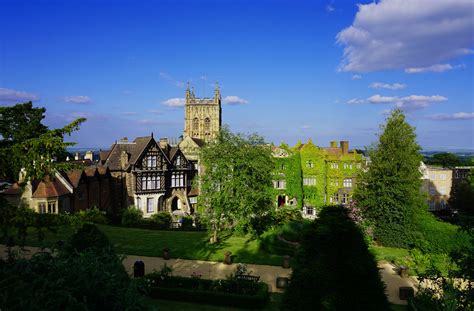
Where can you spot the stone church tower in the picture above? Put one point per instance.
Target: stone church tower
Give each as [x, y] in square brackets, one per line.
[202, 116]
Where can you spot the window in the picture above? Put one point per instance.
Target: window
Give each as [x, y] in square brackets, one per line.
[309, 181]
[309, 210]
[348, 183]
[432, 176]
[283, 167]
[178, 161]
[151, 182]
[279, 184]
[207, 125]
[442, 190]
[335, 198]
[151, 162]
[334, 165]
[139, 203]
[346, 165]
[42, 208]
[193, 200]
[149, 205]
[432, 190]
[52, 207]
[345, 198]
[195, 125]
[177, 179]
[334, 183]
[309, 164]
[442, 176]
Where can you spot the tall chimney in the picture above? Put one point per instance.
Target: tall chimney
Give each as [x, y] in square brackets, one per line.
[123, 159]
[333, 144]
[345, 146]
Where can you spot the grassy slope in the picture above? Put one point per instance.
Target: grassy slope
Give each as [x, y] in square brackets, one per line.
[182, 244]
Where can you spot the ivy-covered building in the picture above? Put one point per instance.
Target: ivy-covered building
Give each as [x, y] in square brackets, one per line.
[308, 176]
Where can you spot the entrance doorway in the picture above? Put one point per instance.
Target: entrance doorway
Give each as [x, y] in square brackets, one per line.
[281, 200]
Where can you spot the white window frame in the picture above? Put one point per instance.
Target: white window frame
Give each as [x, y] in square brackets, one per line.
[347, 183]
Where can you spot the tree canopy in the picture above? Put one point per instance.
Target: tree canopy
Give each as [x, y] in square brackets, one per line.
[444, 159]
[27, 143]
[236, 181]
[389, 191]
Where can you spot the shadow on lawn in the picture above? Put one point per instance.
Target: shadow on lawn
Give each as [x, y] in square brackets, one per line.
[205, 250]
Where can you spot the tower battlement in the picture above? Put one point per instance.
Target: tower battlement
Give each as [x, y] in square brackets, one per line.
[202, 116]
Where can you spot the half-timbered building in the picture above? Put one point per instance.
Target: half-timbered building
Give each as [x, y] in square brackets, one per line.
[152, 175]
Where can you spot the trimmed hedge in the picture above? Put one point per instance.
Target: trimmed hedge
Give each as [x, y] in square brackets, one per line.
[211, 292]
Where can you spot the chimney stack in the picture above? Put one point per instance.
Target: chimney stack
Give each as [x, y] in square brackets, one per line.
[333, 144]
[345, 146]
[123, 159]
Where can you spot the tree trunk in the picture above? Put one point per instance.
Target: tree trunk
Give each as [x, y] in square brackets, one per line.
[213, 237]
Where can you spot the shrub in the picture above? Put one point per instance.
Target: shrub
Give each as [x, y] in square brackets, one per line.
[186, 223]
[160, 220]
[287, 214]
[93, 215]
[432, 235]
[132, 217]
[89, 237]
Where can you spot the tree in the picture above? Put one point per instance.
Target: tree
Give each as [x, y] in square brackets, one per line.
[39, 156]
[236, 183]
[462, 196]
[17, 124]
[388, 193]
[444, 159]
[333, 269]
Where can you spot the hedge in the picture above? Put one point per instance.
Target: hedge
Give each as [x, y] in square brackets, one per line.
[174, 288]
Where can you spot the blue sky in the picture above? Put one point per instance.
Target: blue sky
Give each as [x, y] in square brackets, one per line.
[288, 70]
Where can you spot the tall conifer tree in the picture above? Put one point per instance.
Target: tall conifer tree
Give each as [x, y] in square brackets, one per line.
[389, 191]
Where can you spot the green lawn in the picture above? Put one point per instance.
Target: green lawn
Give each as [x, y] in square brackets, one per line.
[391, 254]
[182, 244]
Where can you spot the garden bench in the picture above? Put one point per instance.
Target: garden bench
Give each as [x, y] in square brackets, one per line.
[248, 277]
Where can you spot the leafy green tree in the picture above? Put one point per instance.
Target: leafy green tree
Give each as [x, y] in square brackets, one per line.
[388, 193]
[444, 159]
[333, 269]
[462, 196]
[17, 124]
[236, 183]
[39, 155]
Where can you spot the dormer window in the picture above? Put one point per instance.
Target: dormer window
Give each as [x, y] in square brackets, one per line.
[178, 161]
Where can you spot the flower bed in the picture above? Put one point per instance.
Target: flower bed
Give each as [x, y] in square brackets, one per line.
[231, 292]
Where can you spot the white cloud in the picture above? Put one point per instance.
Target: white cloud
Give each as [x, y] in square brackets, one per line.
[234, 100]
[306, 127]
[129, 113]
[9, 95]
[329, 8]
[356, 101]
[454, 116]
[82, 100]
[356, 77]
[407, 103]
[407, 34]
[174, 102]
[433, 68]
[388, 86]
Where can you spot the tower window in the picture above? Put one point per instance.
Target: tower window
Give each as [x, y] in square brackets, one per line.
[195, 124]
[207, 124]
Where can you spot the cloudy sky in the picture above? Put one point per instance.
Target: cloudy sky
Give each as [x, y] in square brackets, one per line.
[289, 70]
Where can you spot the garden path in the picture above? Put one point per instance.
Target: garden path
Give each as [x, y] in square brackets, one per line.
[218, 270]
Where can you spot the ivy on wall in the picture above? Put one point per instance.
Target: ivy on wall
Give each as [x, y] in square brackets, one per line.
[310, 161]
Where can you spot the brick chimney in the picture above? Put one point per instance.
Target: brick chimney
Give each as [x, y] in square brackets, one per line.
[345, 146]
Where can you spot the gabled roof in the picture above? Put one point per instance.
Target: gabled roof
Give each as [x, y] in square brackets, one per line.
[140, 144]
[173, 151]
[50, 188]
[14, 189]
[113, 158]
[74, 177]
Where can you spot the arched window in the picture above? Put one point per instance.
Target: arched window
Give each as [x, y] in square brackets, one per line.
[195, 124]
[207, 125]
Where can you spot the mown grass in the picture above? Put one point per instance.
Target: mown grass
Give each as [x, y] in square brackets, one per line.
[391, 254]
[182, 244]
